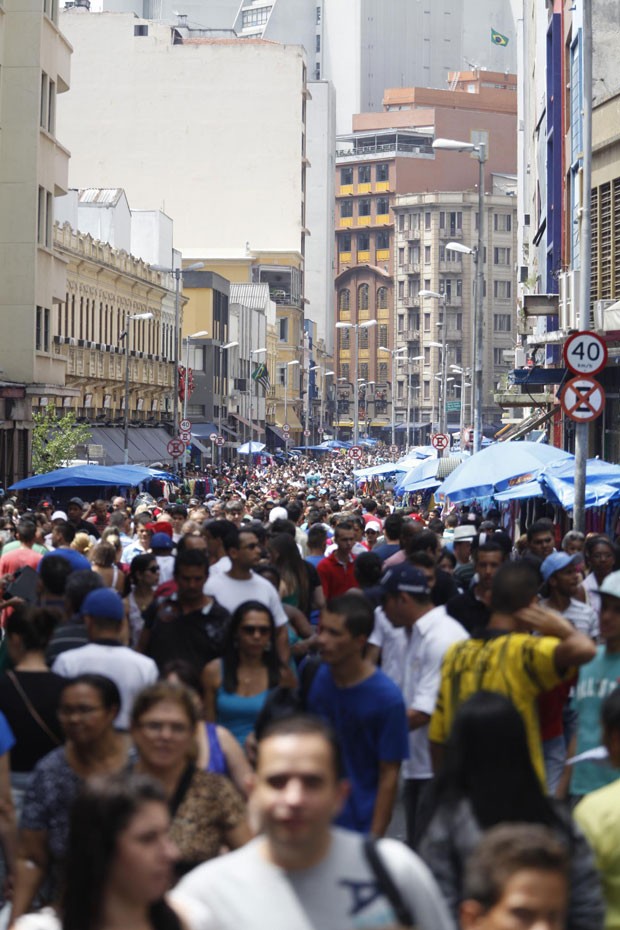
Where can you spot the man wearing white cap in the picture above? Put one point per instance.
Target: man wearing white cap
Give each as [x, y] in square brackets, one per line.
[461, 546]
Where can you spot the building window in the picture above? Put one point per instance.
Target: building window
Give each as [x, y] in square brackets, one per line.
[427, 322]
[346, 208]
[255, 17]
[400, 390]
[401, 290]
[318, 14]
[345, 243]
[141, 30]
[502, 222]
[382, 300]
[383, 239]
[43, 101]
[363, 208]
[458, 355]
[401, 322]
[345, 338]
[501, 256]
[427, 220]
[427, 390]
[363, 242]
[362, 297]
[382, 372]
[457, 319]
[401, 258]
[427, 355]
[344, 371]
[383, 335]
[363, 174]
[427, 254]
[383, 206]
[364, 371]
[318, 43]
[344, 299]
[283, 329]
[363, 337]
[46, 329]
[281, 374]
[502, 322]
[502, 290]
[382, 172]
[38, 338]
[346, 176]
[317, 72]
[41, 223]
[498, 356]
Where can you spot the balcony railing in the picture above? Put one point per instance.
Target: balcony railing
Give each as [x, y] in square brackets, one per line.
[411, 268]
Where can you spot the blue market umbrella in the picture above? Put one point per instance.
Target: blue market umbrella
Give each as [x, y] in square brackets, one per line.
[420, 478]
[82, 476]
[494, 468]
[602, 483]
[251, 448]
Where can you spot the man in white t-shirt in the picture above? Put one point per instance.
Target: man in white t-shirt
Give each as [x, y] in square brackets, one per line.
[104, 613]
[429, 631]
[241, 584]
[301, 872]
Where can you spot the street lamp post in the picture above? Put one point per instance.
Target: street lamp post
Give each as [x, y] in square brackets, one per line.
[125, 335]
[253, 352]
[198, 335]
[224, 348]
[464, 373]
[324, 375]
[356, 328]
[178, 274]
[443, 300]
[393, 353]
[480, 152]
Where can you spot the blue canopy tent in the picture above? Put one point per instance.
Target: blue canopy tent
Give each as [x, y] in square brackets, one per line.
[82, 476]
[387, 468]
[420, 478]
[494, 468]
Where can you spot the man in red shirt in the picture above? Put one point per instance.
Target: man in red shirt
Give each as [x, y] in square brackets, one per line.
[24, 555]
[336, 570]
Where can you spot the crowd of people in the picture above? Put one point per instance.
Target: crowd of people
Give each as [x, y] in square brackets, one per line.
[214, 709]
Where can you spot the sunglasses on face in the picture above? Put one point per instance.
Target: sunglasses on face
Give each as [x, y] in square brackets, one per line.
[251, 629]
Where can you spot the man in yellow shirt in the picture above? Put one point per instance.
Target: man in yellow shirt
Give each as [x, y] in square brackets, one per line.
[506, 658]
[598, 814]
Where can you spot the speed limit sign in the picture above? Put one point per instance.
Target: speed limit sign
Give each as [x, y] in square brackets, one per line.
[585, 353]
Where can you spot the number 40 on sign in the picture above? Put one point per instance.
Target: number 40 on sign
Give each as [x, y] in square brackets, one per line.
[585, 353]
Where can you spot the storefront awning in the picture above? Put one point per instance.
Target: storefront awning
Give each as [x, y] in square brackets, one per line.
[291, 417]
[203, 430]
[256, 427]
[146, 445]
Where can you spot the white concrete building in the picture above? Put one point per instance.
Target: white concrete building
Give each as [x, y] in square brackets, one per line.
[183, 121]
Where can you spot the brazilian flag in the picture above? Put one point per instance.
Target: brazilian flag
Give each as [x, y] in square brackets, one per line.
[497, 38]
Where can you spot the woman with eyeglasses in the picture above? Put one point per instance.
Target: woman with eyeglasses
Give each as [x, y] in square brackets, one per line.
[87, 709]
[207, 812]
[143, 580]
[237, 685]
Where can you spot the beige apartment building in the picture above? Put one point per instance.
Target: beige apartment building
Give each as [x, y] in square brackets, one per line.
[390, 155]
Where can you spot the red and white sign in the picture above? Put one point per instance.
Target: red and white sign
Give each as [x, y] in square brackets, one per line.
[213, 437]
[220, 441]
[355, 452]
[185, 425]
[176, 448]
[440, 441]
[185, 435]
[286, 428]
[306, 433]
[583, 399]
[585, 353]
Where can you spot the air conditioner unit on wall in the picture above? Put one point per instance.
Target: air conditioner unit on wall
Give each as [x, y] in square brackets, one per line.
[601, 319]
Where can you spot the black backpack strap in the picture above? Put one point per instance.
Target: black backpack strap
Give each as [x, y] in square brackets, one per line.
[306, 677]
[387, 884]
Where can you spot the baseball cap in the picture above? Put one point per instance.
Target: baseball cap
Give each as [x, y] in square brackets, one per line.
[103, 604]
[78, 501]
[161, 541]
[76, 560]
[59, 515]
[278, 513]
[464, 533]
[611, 585]
[557, 562]
[404, 577]
[373, 525]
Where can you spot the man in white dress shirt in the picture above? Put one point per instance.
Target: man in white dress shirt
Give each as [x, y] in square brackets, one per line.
[429, 631]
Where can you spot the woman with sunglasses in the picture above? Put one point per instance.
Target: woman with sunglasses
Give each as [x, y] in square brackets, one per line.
[87, 710]
[237, 685]
[207, 812]
[143, 580]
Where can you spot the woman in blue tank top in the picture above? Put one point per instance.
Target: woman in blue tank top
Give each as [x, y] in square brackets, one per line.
[236, 687]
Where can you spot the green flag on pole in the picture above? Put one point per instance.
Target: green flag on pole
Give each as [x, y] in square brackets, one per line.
[497, 38]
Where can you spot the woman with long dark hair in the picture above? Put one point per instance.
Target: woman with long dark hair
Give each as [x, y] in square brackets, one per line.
[119, 862]
[487, 779]
[143, 580]
[237, 685]
[300, 585]
[601, 557]
[87, 710]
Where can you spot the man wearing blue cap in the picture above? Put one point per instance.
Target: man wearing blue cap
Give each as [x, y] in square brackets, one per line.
[429, 631]
[561, 581]
[104, 617]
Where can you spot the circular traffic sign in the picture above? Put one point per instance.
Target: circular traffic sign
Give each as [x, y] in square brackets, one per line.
[286, 428]
[355, 452]
[175, 448]
[220, 441]
[306, 433]
[185, 425]
[213, 437]
[583, 399]
[185, 435]
[585, 353]
[440, 441]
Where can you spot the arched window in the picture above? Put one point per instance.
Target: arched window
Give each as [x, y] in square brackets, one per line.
[382, 298]
[362, 297]
[344, 299]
